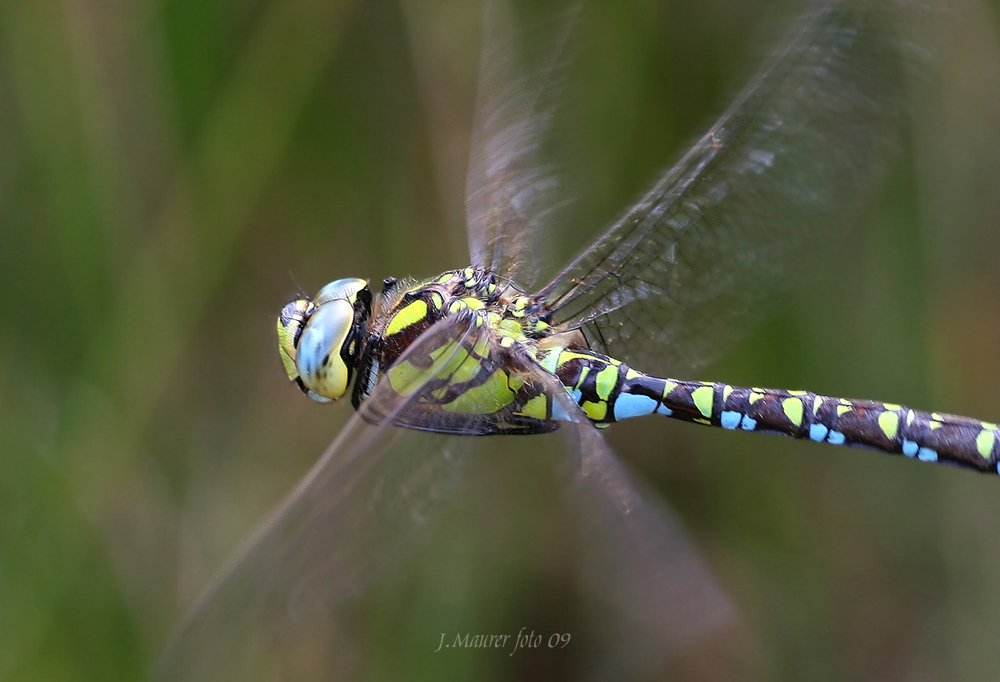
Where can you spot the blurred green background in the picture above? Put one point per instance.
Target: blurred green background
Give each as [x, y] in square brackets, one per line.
[172, 171]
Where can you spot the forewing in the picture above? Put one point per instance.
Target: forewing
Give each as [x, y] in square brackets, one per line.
[357, 511]
[745, 213]
[509, 191]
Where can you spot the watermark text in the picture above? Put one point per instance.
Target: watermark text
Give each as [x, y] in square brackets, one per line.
[523, 640]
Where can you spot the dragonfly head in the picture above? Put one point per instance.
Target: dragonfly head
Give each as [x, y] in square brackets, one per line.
[319, 339]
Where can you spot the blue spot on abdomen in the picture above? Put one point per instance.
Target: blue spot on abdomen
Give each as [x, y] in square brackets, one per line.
[927, 455]
[818, 432]
[633, 405]
[730, 419]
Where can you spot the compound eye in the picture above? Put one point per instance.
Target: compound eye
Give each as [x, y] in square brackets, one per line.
[291, 322]
[320, 359]
[342, 288]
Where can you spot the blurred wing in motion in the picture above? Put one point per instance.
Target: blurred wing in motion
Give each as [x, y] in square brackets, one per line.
[658, 599]
[746, 211]
[639, 559]
[289, 605]
[362, 505]
[509, 192]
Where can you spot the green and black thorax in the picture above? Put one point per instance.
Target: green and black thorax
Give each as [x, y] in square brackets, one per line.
[486, 386]
[404, 311]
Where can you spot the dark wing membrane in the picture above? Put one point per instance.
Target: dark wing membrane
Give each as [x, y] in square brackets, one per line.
[508, 190]
[352, 516]
[742, 214]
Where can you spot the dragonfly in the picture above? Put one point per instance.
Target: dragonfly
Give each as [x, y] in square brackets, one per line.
[473, 352]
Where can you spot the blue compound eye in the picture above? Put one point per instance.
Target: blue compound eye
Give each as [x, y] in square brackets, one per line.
[291, 323]
[342, 288]
[320, 360]
[316, 339]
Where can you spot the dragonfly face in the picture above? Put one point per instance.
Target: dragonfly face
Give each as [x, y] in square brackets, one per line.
[318, 339]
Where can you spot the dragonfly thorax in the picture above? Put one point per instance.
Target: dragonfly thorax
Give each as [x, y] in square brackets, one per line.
[404, 311]
[319, 338]
[344, 335]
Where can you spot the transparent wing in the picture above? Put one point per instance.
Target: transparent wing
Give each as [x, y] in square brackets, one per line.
[746, 211]
[509, 192]
[360, 507]
[295, 604]
[639, 559]
[660, 599]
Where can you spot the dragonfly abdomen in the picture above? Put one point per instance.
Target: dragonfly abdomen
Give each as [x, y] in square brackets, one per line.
[609, 391]
[891, 428]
